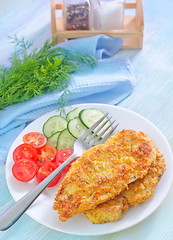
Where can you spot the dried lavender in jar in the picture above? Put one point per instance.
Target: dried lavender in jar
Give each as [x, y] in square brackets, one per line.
[76, 14]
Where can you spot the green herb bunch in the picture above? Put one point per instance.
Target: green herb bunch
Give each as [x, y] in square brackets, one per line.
[35, 72]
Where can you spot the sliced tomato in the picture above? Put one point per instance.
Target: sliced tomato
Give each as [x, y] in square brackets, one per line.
[46, 154]
[62, 156]
[36, 139]
[25, 151]
[45, 170]
[24, 170]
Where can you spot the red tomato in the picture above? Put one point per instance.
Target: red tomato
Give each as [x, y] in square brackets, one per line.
[46, 154]
[36, 139]
[25, 151]
[45, 170]
[24, 170]
[62, 156]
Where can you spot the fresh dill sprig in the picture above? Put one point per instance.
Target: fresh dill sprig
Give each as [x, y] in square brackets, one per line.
[38, 71]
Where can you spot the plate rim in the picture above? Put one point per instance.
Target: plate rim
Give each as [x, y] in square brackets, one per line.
[100, 105]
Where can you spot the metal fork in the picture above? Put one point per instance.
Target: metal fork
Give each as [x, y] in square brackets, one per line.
[86, 141]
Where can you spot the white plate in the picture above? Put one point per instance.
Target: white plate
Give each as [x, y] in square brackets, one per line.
[42, 211]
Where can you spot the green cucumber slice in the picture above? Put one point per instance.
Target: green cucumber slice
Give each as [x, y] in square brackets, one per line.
[75, 127]
[54, 124]
[74, 113]
[52, 140]
[65, 140]
[90, 116]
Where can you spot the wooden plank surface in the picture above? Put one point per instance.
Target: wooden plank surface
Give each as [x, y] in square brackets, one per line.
[53, 18]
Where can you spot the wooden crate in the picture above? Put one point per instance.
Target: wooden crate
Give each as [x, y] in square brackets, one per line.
[132, 33]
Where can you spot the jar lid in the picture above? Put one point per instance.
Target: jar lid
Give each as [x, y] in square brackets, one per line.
[76, 2]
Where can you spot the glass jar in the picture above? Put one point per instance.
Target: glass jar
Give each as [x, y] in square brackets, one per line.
[107, 14]
[76, 14]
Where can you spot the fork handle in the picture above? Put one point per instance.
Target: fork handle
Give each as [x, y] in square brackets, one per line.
[12, 214]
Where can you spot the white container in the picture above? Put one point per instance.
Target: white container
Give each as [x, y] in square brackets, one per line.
[106, 14]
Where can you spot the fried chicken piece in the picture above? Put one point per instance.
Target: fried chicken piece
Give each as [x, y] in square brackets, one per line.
[103, 171]
[109, 211]
[138, 191]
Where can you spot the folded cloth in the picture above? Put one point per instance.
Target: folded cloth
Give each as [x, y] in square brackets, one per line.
[99, 46]
[113, 78]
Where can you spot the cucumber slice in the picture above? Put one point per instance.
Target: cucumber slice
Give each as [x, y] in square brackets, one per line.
[90, 116]
[75, 127]
[74, 113]
[54, 124]
[52, 140]
[65, 140]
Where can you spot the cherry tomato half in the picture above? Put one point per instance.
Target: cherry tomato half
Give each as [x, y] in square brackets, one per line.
[45, 170]
[25, 151]
[62, 156]
[24, 170]
[46, 154]
[36, 139]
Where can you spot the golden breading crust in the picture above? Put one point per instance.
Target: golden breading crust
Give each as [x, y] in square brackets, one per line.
[103, 171]
[137, 192]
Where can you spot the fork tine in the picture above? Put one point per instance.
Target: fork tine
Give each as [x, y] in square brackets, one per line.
[106, 136]
[98, 130]
[93, 127]
[103, 132]
[94, 140]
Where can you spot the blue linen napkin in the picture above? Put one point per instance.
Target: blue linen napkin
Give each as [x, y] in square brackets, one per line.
[110, 81]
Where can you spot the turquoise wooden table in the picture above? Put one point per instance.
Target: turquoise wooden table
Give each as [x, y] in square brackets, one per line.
[152, 98]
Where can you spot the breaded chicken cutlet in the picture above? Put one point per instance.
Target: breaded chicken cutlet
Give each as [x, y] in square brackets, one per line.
[103, 171]
[137, 192]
